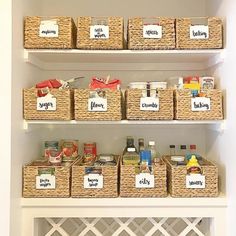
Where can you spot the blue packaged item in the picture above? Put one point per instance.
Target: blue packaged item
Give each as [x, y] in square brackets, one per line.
[145, 157]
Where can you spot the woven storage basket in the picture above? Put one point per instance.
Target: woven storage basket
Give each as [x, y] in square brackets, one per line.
[116, 33]
[64, 105]
[214, 41]
[183, 106]
[114, 106]
[137, 41]
[176, 176]
[62, 179]
[66, 33]
[166, 110]
[127, 182]
[110, 181]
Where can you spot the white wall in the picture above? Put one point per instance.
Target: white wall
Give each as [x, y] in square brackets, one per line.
[222, 148]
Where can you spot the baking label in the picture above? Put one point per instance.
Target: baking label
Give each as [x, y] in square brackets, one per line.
[45, 181]
[199, 32]
[99, 32]
[201, 104]
[195, 181]
[93, 181]
[97, 104]
[152, 31]
[47, 103]
[149, 104]
[144, 180]
[48, 29]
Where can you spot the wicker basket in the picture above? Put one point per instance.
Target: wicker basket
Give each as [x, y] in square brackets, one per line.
[136, 40]
[66, 33]
[36, 168]
[114, 106]
[64, 105]
[183, 109]
[166, 109]
[215, 39]
[110, 181]
[176, 176]
[128, 181]
[116, 33]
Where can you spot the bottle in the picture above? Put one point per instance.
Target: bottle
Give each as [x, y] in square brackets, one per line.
[141, 145]
[154, 155]
[172, 150]
[193, 151]
[145, 161]
[183, 150]
[193, 166]
[130, 154]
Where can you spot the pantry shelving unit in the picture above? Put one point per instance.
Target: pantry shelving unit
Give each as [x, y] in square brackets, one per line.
[23, 68]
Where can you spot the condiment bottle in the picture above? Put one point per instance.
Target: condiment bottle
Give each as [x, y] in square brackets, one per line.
[172, 150]
[193, 166]
[183, 150]
[154, 154]
[141, 145]
[130, 154]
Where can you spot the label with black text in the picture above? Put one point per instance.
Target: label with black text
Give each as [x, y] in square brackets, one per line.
[99, 32]
[97, 104]
[195, 181]
[152, 31]
[48, 29]
[149, 104]
[47, 103]
[199, 32]
[200, 104]
[144, 180]
[45, 181]
[93, 181]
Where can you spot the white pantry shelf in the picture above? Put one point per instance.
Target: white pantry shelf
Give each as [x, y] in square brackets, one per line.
[143, 60]
[218, 125]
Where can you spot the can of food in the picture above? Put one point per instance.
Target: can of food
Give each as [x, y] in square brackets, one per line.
[50, 145]
[69, 149]
[90, 152]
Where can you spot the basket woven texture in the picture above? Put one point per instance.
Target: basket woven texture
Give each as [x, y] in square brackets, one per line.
[62, 176]
[214, 41]
[64, 110]
[135, 34]
[66, 36]
[133, 112]
[116, 34]
[110, 181]
[127, 182]
[114, 108]
[176, 176]
[183, 106]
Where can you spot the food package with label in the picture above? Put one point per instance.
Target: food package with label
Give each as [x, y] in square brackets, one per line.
[105, 83]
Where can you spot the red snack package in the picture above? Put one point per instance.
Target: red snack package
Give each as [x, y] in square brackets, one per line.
[46, 84]
[104, 83]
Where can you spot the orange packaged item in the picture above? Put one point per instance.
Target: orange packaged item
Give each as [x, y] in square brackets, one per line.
[105, 83]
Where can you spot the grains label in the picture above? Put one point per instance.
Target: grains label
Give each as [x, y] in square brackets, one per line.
[48, 29]
[99, 32]
[97, 104]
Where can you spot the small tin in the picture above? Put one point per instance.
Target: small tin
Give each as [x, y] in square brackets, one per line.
[50, 145]
[90, 152]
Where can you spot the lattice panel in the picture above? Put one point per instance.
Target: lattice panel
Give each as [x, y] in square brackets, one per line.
[123, 226]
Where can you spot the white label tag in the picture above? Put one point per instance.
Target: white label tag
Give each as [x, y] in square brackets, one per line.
[149, 104]
[152, 31]
[131, 149]
[93, 181]
[99, 32]
[45, 181]
[201, 104]
[97, 104]
[199, 32]
[144, 180]
[48, 29]
[46, 103]
[195, 181]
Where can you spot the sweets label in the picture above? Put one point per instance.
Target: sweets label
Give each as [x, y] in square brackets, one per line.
[99, 32]
[199, 32]
[200, 104]
[149, 104]
[93, 181]
[47, 103]
[195, 181]
[48, 29]
[152, 31]
[144, 180]
[97, 104]
[45, 181]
